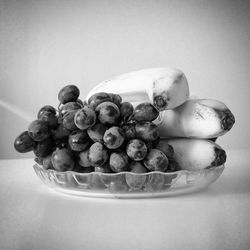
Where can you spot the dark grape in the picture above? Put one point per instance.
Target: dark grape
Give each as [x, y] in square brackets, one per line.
[166, 148]
[155, 182]
[69, 106]
[69, 93]
[118, 161]
[113, 137]
[68, 120]
[118, 185]
[129, 131]
[62, 159]
[80, 169]
[137, 167]
[44, 148]
[108, 113]
[46, 108]
[98, 98]
[79, 140]
[39, 160]
[116, 99]
[50, 118]
[83, 159]
[24, 143]
[97, 154]
[173, 165]
[61, 133]
[38, 130]
[136, 149]
[96, 132]
[156, 160]
[47, 163]
[85, 118]
[146, 131]
[82, 103]
[104, 169]
[126, 110]
[145, 112]
[136, 182]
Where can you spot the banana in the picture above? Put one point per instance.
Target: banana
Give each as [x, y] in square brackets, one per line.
[165, 88]
[196, 154]
[196, 118]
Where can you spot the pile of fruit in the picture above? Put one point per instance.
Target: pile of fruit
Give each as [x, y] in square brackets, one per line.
[139, 122]
[105, 135]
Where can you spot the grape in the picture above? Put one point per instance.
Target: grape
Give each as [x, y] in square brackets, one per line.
[78, 140]
[96, 132]
[116, 99]
[83, 159]
[129, 131]
[126, 110]
[97, 154]
[69, 106]
[88, 170]
[118, 187]
[39, 160]
[38, 130]
[155, 182]
[156, 141]
[118, 161]
[136, 149]
[96, 182]
[146, 131]
[24, 143]
[60, 118]
[149, 145]
[68, 120]
[156, 160]
[50, 118]
[44, 148]
[145, 112]
[166, 148]
[62, 159]
[61, 133]
[136, 182]
[85, 118]
[108, 113]
[80, 169]
[69, 93]
[98, 98]
[137, 167]
[47, 163]
[113, 137]
[46, 108]
[104, 169]
[81, 103]
[173, 165]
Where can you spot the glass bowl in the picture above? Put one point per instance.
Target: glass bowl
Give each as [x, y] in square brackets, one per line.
[128, 184]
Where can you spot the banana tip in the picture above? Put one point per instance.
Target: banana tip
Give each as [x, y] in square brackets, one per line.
[228, 121]
[220, 157]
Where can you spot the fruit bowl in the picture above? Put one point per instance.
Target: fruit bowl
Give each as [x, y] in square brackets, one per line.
[127, 184]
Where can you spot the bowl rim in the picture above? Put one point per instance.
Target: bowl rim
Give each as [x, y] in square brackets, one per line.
[208, 169]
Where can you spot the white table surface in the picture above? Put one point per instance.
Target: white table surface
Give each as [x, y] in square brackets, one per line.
[33, 216]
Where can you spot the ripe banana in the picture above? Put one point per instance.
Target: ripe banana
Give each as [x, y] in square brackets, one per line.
[196, 118]
[196, 154]
[165, 88]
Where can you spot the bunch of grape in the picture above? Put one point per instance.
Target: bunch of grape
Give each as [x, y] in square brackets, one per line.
[103, 135]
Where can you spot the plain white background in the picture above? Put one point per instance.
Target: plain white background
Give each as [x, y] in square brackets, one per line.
[47, 44]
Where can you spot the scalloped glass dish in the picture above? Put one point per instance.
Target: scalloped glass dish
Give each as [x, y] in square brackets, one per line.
[128, 184]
